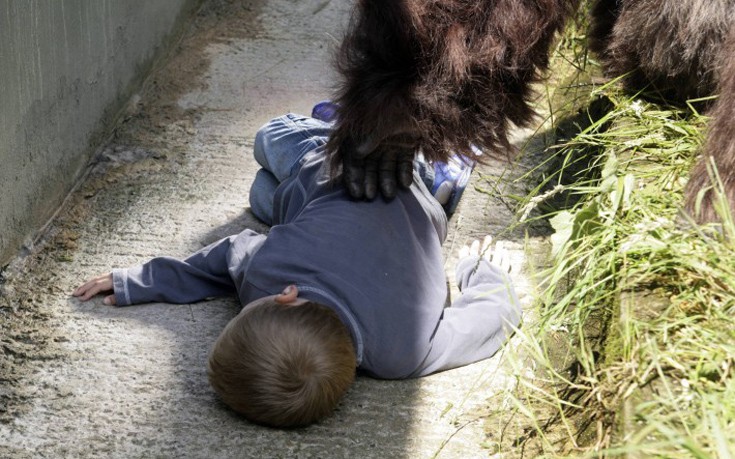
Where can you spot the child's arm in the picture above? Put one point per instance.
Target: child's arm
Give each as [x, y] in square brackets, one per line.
[481, 319]
[202, 275]
[99, 284]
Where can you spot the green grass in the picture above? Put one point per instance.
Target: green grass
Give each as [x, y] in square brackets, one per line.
[642, 299]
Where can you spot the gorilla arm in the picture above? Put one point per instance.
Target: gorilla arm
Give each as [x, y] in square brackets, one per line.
[435, 77]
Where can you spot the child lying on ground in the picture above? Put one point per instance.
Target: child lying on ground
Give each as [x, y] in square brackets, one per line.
[337, 284]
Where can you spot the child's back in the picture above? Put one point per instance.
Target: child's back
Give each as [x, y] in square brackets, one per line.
[380, 263]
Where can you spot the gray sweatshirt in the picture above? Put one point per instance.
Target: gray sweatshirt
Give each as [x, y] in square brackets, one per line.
[378, 264]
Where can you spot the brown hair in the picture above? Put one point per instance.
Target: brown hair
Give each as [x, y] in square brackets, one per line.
[281, 365]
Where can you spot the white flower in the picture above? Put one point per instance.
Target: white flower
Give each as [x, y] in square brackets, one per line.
[637, 107]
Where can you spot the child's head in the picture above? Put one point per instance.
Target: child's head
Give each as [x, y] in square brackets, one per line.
[283, 361]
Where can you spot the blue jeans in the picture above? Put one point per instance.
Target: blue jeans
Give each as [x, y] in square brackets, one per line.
[280, 145]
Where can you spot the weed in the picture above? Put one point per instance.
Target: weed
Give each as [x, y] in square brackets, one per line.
[642, 298]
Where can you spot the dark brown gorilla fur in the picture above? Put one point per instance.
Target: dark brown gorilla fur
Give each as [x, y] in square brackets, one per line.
[720, 145]
[440, 75]
[678, 50]
[670, 47]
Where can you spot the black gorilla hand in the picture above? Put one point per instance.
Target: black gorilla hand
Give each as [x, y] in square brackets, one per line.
[387, 165]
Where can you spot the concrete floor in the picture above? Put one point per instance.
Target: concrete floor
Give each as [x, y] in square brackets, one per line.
[89, 380]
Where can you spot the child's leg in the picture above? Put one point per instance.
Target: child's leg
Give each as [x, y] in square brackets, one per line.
[279, 147]
[282, 142]
[261, 196]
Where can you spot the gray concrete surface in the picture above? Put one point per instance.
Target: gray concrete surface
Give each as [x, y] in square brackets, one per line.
[89, 380]
[66, 68]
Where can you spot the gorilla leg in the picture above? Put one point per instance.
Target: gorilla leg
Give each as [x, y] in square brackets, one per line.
[669, 46]
[719, 147]
[683, 49]
[603, 15]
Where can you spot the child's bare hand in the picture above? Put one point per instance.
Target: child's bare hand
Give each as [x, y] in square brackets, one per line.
[499, 256]
[99, 284]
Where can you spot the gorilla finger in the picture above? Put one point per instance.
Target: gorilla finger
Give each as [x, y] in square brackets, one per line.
[353, 175]
[371, 176]
[388, 175]
[404, 166]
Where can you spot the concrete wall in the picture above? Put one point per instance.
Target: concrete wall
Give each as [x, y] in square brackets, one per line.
[67, 67]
